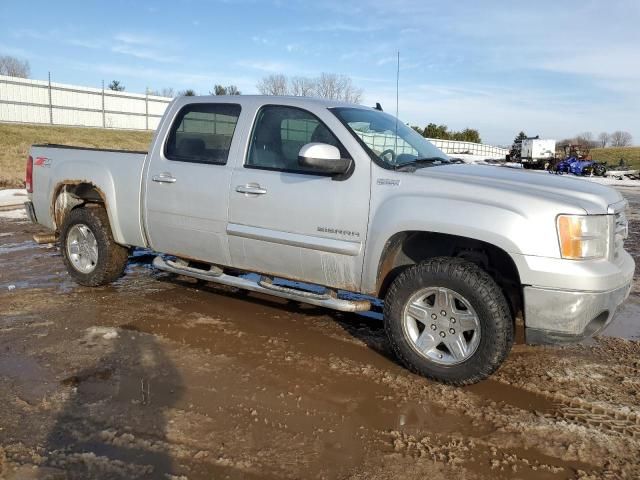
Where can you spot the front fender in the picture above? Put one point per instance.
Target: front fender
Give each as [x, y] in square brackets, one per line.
[511, 229]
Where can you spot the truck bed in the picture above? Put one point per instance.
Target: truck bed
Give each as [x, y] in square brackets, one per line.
[116, 174]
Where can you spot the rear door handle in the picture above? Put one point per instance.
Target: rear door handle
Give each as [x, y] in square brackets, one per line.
[164, 178]
[251, 189]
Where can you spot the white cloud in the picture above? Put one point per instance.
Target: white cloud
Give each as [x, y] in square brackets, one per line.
[143, 53]
[265, 66]
[340, 27]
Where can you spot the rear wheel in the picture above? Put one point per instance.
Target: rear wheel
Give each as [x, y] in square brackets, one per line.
[91, 255]
[448, 320]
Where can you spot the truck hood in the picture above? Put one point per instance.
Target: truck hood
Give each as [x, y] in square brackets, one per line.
[592, 197]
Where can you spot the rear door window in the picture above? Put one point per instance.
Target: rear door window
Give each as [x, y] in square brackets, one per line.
[202, 133]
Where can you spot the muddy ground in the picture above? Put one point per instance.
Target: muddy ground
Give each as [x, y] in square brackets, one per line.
[162, 377]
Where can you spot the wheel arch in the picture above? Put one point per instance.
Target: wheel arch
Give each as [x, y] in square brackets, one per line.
[407, 248]
[71, 194]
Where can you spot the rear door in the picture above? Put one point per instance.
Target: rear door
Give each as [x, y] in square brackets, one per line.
[288, 221]
[187, 183]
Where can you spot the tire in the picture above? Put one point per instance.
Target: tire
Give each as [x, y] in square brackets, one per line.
[90, 254]
[473, 296]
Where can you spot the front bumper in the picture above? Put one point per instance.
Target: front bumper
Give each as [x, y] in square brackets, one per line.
[561, 316]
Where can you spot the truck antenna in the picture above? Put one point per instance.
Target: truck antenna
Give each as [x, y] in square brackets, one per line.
[395, 148]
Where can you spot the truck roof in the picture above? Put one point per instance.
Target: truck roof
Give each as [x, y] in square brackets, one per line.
[301, 102]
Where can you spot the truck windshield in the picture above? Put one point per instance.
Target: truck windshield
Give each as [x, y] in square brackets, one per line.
[389, 142]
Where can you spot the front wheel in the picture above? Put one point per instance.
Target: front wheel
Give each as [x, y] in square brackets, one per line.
[90, 253]
[448, 320]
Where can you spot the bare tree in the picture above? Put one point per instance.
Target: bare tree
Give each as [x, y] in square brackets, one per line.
[586, 139]
[337, 87]
[603, 139]
[116, 86]
[228, 90]
[327, 85]
[163, 92]
[274, 85]
[189, 92]
[620, 139]
[302, 86]
[14, 67]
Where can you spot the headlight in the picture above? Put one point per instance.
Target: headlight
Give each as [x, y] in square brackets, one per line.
[583, 236]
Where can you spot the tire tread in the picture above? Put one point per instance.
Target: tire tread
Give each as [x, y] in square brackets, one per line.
[486, 360]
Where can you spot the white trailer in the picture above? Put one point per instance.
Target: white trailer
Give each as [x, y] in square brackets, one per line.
[537, 151]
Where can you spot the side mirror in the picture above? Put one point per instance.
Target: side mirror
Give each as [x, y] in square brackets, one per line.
[323, 157]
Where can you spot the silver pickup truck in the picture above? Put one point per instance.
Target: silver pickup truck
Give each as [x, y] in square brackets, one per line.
[323, 200]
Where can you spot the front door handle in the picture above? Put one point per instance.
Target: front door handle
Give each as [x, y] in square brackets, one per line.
[251, 189]
[164, 178]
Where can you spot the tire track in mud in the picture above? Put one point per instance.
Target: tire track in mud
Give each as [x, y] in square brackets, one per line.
[557, 407]
[591, 415]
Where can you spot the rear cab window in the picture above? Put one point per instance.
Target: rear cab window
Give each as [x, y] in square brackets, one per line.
[202, 133]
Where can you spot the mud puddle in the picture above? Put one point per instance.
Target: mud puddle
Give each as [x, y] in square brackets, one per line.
[626, 323]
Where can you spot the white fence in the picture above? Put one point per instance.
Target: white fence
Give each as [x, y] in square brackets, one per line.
[383, 142]
[452, 147]
[38, 101]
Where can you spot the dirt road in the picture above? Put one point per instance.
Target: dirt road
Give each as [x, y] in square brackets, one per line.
[162, 377]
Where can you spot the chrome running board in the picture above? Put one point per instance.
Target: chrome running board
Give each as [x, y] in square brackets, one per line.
[264, 285]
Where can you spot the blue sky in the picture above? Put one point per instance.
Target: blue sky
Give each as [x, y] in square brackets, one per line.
[554, 68]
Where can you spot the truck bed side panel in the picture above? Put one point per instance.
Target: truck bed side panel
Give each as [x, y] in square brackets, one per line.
[115, 174]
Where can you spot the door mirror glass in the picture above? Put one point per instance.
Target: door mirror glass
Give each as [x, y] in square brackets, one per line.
[323, 157]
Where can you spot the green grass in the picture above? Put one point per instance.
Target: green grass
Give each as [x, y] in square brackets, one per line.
[612, 155]
[15, 140]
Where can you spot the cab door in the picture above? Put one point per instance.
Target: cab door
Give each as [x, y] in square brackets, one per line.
[187, 183]
[288, 221]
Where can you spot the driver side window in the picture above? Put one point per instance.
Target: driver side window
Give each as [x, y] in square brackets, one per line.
[279, 134]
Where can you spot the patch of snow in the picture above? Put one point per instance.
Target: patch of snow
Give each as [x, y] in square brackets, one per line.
[16, 214]
[12, 196]
[108, 333]
[479, 159]
[609, 180]
[612, 181]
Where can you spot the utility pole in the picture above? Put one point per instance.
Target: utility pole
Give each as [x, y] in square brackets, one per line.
[50, 102]
[103, 119]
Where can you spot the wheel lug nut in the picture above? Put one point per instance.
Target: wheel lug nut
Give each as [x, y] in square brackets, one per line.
[433, 326]
[434, 316]
[452, 331]
[443, 313]
[453, 320]
[442, 334]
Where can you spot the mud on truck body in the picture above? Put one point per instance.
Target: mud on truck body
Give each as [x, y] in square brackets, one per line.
[348, 199]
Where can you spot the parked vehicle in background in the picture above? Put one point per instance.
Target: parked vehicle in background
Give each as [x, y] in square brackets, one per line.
[578, 162]
[537, 152]
[345, 199]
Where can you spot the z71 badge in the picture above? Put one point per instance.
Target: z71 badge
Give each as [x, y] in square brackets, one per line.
[42, 162]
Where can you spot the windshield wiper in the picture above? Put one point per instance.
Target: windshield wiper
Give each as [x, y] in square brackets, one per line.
[422, 162]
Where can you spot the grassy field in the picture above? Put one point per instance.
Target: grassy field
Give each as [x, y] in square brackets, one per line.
[15, 140]
[612, 155]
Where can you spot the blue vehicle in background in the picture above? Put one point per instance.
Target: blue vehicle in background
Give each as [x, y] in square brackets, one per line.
[578, 162]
